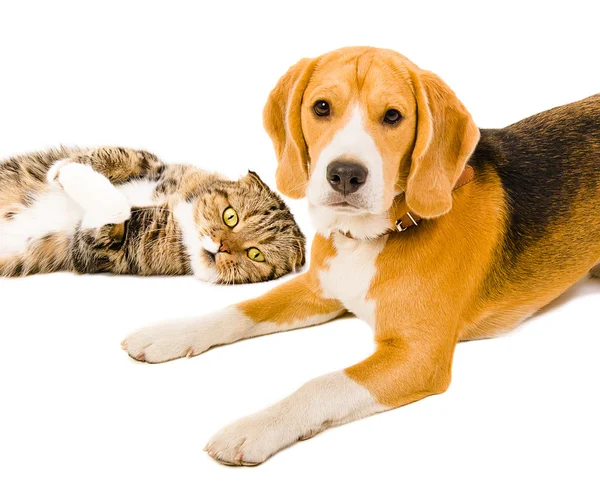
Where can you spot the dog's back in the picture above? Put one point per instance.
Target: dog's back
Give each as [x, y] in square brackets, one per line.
[549, 167]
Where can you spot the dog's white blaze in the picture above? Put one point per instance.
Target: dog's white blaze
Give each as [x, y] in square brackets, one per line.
[352, 141]
[329, 400]
[184, 215]
[350, 272]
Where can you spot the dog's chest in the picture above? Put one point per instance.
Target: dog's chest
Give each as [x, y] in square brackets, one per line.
[350, 273]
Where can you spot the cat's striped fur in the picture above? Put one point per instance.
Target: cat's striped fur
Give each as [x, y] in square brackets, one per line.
[172, 224]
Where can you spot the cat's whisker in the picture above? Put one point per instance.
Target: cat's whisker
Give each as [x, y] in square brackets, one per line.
[150, 209]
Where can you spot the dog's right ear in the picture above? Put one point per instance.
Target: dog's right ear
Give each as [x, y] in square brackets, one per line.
[281, 119]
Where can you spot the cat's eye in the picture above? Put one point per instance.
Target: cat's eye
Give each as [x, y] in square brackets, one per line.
[255, 254]
[230, 217]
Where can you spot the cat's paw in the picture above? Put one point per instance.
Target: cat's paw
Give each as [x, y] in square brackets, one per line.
[54, 171]
[101, 202]
[115, 211]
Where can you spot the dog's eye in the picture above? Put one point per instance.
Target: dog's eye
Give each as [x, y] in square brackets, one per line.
[392, 117]
[255, 254]
[230, 217]
[321, 108]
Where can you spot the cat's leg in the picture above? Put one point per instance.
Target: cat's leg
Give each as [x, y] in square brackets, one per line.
[101, 202]
[120, 165]
[97, 250]
[88, 178]
[292, 305]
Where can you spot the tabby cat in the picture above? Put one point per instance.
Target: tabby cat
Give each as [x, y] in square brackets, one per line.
[123, 211]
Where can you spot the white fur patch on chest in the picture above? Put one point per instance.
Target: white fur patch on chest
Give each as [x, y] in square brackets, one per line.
[194, 244]
[350, 273]
[53, 211]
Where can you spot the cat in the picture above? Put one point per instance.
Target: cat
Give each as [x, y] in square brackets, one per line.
[124, 211]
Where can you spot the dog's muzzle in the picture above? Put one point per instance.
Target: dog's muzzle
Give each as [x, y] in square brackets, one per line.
[346, 177]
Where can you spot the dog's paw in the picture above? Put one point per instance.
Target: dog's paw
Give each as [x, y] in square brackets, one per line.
[160, 343]
[251, 440]
[187, 337]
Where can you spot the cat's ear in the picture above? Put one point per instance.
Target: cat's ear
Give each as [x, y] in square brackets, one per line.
[253, 179]
[281, 118]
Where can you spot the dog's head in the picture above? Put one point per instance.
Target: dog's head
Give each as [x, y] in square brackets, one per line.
[355, 127]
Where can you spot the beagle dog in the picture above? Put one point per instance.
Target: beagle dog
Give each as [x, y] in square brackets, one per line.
[429, 229]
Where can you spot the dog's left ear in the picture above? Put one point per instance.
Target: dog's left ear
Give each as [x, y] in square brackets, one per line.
[446, 138]
[281, 118]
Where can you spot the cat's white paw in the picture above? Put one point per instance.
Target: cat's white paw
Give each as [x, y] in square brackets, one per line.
[115, 211]
[101, 202]
[251, 440]
[52, 175]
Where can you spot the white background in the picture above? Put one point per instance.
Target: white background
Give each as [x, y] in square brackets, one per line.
[188, 82]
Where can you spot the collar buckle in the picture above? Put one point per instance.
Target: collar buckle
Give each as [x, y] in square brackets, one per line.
[401, 228]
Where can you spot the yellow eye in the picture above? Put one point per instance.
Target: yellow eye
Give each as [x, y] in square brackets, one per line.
[230, 217]
[255, 254]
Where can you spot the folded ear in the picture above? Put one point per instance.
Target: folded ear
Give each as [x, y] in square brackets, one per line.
[446, 138]
[281, 118]
[253, 179]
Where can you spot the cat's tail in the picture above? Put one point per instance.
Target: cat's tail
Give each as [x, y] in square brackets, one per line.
[51, 253]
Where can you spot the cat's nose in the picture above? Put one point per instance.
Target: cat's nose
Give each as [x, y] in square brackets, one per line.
[224, 247]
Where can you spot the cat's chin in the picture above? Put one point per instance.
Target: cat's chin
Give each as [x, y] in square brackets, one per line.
[208, 275]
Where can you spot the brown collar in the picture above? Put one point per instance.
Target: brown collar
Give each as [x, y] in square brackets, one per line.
[404, 219]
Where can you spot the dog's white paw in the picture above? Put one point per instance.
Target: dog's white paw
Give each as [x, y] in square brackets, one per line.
[187, 337]
[160, 343]
[251, 440]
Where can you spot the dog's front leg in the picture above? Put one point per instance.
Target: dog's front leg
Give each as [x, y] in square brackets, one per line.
[403, 369]
[292, 305]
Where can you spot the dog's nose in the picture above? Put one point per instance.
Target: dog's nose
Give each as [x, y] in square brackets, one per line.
[346, 177]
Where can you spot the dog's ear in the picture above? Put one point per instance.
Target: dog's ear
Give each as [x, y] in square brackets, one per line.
[446, 137]
[281, 118]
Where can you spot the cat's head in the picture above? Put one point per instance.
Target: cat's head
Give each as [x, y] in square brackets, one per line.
[247, 233]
